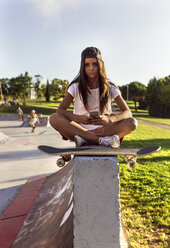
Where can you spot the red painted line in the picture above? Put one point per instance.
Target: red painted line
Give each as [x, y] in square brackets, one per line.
[13, 218]
[9, 228]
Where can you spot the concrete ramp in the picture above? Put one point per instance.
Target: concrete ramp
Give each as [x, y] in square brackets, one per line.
[49, 223]
[3, 138]
[44, 121]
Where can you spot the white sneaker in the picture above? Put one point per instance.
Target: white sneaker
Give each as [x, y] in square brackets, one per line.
[78, 140]
[112, 141]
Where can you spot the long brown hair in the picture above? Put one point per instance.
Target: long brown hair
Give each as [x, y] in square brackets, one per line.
[104, 85]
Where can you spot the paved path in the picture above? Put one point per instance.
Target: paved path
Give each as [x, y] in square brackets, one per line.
[154, 124]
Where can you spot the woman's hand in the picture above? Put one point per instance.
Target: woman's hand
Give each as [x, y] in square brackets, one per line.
[84, 119]
[100, 120]
[92, 120]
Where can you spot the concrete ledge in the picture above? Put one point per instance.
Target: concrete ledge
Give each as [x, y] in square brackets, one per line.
[96, 202]
[8, 117]
[44, 121]
[13, 117]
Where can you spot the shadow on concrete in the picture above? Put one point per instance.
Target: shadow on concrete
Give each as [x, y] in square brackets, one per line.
[24, 155]
[2, 127]
[5, 196]
[24, 178]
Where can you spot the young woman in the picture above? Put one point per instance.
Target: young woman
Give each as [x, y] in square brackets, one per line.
[91, 90]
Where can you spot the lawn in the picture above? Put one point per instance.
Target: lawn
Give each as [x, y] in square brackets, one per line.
[47, 108]
[144, 190]
[141, 114]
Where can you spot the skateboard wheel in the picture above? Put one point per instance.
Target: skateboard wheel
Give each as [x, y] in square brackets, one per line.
[60, 162]
[132, 164]
[66, 158]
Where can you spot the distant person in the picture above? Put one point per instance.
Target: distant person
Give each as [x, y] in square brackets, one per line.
[91, 90]
[33, 119]
[20, 114]
[5, 100]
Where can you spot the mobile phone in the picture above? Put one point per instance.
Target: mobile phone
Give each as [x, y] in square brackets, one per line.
[94, 112]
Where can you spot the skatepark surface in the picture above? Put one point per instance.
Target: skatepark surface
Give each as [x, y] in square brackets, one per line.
[21, 162]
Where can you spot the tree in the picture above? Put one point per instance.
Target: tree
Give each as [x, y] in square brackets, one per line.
[157, 97]
[47, 92]
[4, 87]
[136, 92]
[125, 91]
[37, 85]
[59, 87]
[43, 89]
[19, 86]
[1, 95]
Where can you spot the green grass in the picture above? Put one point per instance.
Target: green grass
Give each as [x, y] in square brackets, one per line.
[144, 115]
[144, 190]
[43, 103]
[164, 121]
[40, 106]
[47, 108]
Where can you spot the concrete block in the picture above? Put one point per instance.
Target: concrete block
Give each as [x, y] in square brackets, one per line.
[96, 202]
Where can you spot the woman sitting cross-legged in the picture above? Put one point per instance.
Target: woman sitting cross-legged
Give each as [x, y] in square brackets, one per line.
[92, 91]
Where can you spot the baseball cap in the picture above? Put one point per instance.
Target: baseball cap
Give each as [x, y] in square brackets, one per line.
[91, 52]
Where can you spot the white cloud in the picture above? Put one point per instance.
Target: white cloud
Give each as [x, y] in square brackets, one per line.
[50, 10]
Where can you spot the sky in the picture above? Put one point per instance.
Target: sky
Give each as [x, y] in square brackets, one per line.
[46, 37]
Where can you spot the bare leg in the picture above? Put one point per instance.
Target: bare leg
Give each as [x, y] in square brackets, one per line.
[70, 128]
[33, 127]
[120, 128]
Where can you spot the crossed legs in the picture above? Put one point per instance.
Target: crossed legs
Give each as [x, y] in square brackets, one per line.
[70, 128]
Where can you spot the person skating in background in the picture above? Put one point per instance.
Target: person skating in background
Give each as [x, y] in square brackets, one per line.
[20, 114]
[33, 119]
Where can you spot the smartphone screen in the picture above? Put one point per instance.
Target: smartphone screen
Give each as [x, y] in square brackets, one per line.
[94, 112]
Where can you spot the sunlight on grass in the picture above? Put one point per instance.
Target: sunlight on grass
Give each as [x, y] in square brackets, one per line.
[163, 121]
[144, 190]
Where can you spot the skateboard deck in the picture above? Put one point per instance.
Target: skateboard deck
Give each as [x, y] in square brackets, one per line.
[129, 153]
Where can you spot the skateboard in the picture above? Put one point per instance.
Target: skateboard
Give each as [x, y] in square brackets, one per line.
[130, 154]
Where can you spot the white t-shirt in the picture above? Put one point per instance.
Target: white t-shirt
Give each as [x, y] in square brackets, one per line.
[93, 102]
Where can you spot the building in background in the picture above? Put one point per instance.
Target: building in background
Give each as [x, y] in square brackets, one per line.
[32, 93]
